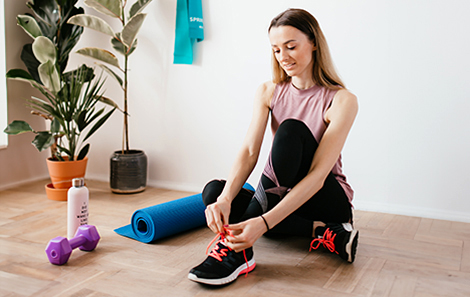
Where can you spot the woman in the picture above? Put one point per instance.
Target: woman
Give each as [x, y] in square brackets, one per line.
[302, 190]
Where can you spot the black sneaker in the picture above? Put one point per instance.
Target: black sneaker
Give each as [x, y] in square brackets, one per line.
[337, 238]
[223, 265]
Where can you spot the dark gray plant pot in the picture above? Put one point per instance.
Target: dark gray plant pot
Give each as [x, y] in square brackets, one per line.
[128, 172]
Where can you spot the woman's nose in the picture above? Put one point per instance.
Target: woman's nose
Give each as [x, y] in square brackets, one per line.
[283, 56]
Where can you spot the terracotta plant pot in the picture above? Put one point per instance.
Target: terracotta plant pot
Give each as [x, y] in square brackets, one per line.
[62, 172]
[56, 194]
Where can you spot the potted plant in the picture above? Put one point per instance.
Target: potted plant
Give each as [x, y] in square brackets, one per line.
[128, 167]
[71, 98]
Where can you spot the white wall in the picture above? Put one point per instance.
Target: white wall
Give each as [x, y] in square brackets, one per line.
[3, 83]
[20, 162]
[407, 61]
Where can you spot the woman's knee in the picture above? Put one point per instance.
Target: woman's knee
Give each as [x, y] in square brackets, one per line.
[293, 126]
[212, 191]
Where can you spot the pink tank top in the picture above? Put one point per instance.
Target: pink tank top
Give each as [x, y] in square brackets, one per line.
[308, 106]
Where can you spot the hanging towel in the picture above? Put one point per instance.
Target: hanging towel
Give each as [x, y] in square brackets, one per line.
[189, 28]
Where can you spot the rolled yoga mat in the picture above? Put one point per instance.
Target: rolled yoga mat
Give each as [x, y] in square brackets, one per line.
[166, 219]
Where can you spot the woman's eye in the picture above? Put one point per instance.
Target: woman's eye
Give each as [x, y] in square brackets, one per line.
[291, 48]
[277, 51]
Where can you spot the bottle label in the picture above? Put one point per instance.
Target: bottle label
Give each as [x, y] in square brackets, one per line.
[83, 216]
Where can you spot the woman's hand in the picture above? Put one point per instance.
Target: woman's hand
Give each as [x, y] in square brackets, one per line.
[217, 215]
[243, 235]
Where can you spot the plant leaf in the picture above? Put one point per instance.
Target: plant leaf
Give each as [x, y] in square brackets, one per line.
[111, 72]
[18, 127]
[80, 119]
[44, 50]
[138, 7]
[68, 35]
[30, 61]
[92, 22]
[19, 74]
[49, 76]
[55, 126]
[43, 140]
[130, 30]
[110, 103]
[83, 152]
[100, 54]
[65, 150]
[29, 25]
[48, 16]
[99, 124]
[112, 8]
[120, 47]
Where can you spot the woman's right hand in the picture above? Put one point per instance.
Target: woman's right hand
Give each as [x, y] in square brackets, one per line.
[217, 215]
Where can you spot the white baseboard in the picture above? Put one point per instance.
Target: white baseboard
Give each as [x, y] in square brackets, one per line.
[23, 182]
[168, 185]
[430, 213]
[406, 210]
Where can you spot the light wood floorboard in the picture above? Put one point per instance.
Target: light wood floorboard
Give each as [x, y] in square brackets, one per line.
[397, 255]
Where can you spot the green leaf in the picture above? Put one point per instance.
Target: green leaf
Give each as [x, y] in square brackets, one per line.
[111, 72]
[92, 22]
[132, 28]
[99, 124]
[30, 61]
[65, 150]
[44, 50]
[55, 126]
[18, 127]
[138, 7]
[80, 120]
[49, 76]
[83, 152]
[43, 140]
[29, 25]
[68, 35]
[93, 116]
[19, 74]
[100, 54]
[120, 47]
[48, 16]
[112, 8]
[110, 103]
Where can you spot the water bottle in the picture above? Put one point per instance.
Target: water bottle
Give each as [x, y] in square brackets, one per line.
[77, 206]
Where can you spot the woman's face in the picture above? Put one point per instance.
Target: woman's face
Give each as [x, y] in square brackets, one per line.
[293, 50]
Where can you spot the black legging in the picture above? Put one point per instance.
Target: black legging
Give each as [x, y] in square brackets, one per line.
[292, 153]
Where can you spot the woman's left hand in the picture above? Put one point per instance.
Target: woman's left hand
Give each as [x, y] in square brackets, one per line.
[243, 235]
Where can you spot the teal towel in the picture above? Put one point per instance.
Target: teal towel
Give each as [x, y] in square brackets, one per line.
[189, 28]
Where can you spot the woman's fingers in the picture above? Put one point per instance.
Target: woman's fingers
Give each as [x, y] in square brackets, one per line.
[215, 218]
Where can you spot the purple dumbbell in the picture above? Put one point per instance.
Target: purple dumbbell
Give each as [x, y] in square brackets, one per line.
[59, 249]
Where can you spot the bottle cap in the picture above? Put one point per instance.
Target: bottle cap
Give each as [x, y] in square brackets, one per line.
[78, 182]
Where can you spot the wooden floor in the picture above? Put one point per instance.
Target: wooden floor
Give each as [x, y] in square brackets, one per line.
[397, 255]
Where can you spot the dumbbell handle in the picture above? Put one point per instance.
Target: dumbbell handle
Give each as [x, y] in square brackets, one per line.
[77, 241]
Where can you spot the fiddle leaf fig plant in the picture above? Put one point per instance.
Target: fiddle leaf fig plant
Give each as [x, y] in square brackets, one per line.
[71, 98]
[123, 42]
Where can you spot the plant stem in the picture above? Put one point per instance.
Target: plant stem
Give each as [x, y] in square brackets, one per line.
[126, 122]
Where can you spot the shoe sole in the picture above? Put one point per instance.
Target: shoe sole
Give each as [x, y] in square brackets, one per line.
[222, 281]
[351, 246]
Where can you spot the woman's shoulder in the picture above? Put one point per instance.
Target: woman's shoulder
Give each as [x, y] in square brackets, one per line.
[267, 87]
[345, 95]
[346, 100]
[265, 92]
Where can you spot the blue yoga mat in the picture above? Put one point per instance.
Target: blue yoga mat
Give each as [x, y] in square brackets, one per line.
[162, 220]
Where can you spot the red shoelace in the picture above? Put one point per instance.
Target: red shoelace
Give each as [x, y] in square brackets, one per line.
[327, 241]
[217, 252]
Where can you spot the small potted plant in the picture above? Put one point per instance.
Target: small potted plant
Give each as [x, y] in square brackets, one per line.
[128, 167]
[70, 100]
